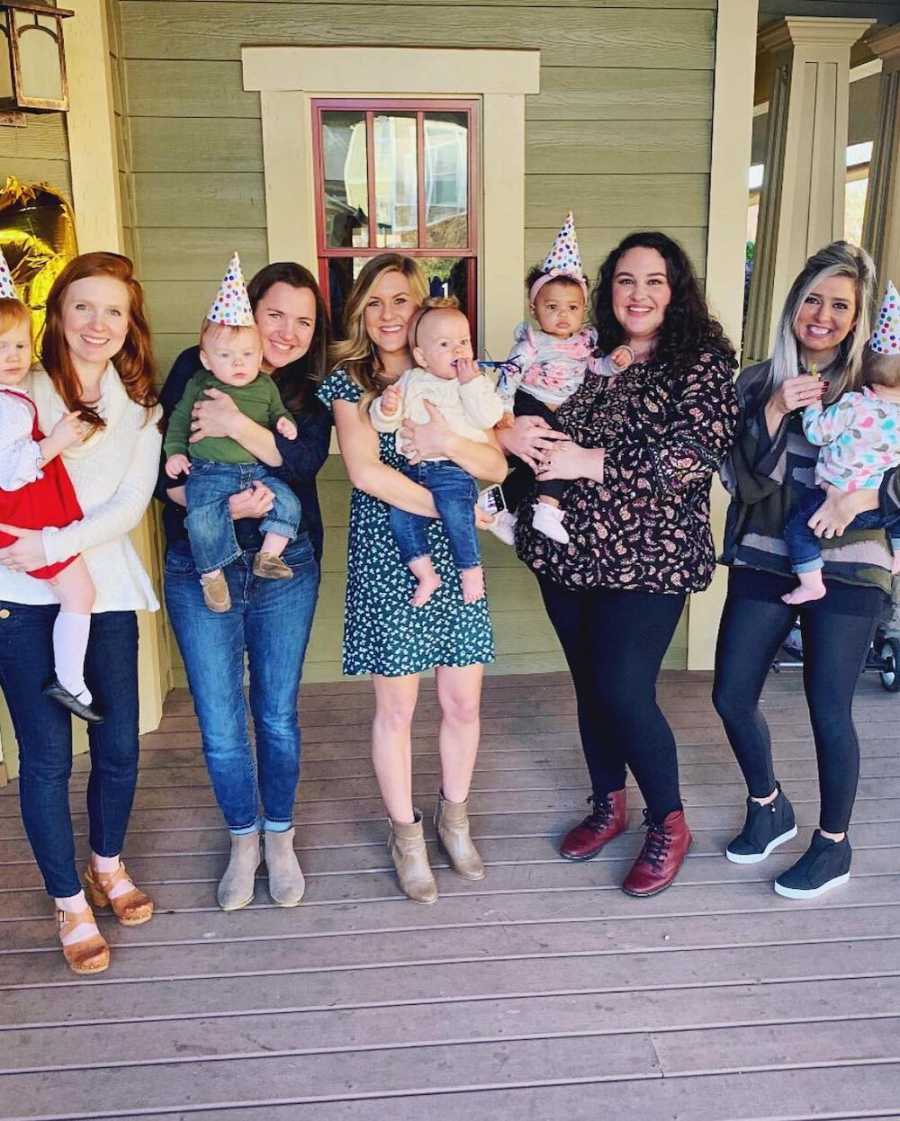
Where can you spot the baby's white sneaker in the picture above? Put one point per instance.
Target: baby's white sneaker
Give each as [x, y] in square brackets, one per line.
[504, 527]
[548, 520]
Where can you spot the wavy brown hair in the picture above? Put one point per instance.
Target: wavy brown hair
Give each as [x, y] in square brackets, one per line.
[134, 363]
[356, 354]
[687, 329]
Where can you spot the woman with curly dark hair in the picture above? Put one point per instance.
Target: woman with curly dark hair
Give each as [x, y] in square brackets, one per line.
[642, 449]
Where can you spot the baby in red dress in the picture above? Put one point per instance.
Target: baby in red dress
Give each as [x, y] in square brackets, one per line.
[35, 492]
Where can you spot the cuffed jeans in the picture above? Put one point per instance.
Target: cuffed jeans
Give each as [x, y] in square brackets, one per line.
[454, 492]
[271, 621]
[209, 523]
[44, 731]
[805, 549]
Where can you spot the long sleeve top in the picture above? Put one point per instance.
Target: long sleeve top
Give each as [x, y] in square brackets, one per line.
[767, 476]
[113, 473]
[550, 369]
[860, 439]
[302, 459]
[646, 526]
[469, 409]
[20, 456]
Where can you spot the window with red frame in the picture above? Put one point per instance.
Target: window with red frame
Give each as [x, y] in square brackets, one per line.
[396, 175]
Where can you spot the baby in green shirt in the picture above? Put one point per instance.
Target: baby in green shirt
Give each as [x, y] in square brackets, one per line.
[218, 467]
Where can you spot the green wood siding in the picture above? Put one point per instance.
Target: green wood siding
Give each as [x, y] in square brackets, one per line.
[37, 153]
[620, 132]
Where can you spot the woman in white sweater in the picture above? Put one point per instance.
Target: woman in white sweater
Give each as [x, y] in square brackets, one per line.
[97, 361]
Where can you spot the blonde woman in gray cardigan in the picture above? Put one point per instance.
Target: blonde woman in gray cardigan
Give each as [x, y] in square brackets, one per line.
[97, 363]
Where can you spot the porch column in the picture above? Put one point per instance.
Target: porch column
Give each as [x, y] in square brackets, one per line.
[881, 228]
[802, 202]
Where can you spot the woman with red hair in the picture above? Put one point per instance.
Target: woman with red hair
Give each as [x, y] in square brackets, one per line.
[97, 363]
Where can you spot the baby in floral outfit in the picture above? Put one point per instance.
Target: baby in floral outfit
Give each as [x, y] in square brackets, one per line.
[552, 360]
[860, 440]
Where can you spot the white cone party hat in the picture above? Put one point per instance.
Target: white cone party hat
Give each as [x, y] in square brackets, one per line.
[564, 256]
[231, 306]
[886, 336]
[7, 288]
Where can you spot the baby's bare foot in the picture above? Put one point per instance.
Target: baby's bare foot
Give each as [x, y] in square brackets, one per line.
[895, 565]
[806, 593]
[428, 585]
[472, 580]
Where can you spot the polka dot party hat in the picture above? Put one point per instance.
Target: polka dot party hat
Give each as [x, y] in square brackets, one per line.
[886, 336]
[7, 288]
[564, 256]
[232, 304]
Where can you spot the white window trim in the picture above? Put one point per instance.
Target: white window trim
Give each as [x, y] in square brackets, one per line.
[289, 78]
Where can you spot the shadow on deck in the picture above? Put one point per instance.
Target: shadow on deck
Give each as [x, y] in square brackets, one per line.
[541, 992]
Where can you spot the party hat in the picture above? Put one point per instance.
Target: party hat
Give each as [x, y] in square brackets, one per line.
[564, 256]
[886, 336]
[232, 304]
[7, 288]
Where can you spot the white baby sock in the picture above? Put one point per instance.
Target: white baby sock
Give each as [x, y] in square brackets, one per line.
[73, 904]
[70, 639]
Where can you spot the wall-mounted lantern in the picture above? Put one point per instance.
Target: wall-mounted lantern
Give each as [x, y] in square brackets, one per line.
[36, 75]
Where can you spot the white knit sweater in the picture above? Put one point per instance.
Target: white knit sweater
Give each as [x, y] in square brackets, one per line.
[114, 473]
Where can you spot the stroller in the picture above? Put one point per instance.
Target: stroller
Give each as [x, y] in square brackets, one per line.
[884, 653]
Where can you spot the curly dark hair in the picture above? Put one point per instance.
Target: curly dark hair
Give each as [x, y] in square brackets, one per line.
[687, 329]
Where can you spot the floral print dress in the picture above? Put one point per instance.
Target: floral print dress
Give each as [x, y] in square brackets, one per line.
[383, 633]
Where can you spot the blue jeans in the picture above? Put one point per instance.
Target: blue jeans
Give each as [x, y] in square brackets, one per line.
[804, 548]
[44, 731]
[271, 621]
[454, 492]
[209, 523]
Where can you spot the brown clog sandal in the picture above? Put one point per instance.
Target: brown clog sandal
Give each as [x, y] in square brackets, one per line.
[131, 908]
[90, 955]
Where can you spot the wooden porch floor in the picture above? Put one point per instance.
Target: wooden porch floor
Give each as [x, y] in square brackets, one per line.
[541, 993]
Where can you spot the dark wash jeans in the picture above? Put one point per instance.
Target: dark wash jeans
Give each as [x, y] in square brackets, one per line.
[44, 731]
[270, 620]
[209, 523]
[805, 549]
[454, 492]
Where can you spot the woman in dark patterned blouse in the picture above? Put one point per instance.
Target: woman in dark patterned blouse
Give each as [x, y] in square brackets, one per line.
[641, 452]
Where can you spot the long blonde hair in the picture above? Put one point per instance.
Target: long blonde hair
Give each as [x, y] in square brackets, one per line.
[356, 354]
[840, 258]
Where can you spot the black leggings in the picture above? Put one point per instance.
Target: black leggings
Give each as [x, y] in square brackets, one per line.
[836, 632]
[614, 643]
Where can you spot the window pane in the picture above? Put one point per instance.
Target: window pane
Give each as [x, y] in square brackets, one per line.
[346, 185]
[396, 184]
[446, 180]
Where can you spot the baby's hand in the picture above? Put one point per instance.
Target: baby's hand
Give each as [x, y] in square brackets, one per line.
[466, 370]
[622, 357]
[68, 430]
[390, 400]
[286, 427]
[178, 465]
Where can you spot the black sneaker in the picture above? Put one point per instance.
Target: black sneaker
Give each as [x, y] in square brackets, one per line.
[765, 829]
[824, 865]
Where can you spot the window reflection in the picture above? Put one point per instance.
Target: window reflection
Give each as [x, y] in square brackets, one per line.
[446, 180]
[346, 180]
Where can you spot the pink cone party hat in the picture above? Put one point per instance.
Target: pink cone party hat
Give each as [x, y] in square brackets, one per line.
[7, 288]
[886, 336]
[564, 256]
[232, 304]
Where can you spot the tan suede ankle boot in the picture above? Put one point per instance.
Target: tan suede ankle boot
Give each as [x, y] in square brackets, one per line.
[406, 845]
[451, 821]
[286, 883]
[237, 885]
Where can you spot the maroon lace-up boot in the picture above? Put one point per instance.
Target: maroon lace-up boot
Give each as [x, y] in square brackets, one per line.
[665, 847]
[607, 820]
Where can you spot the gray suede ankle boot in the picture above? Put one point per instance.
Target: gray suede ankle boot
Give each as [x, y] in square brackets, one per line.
[406, 845]
[451, 821]
[236, 886]
[286, 883]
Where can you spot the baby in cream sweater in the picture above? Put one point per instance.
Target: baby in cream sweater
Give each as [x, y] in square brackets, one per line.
[445, 376]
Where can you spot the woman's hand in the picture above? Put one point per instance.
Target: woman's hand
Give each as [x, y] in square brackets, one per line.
[255, 502]
[27, 553]
[434, 439]
[839, 509]
[569, 461]
[529, 438]
[793, 393]
[216, 416]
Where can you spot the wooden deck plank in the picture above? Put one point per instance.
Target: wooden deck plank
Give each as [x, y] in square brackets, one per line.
[717, 1001]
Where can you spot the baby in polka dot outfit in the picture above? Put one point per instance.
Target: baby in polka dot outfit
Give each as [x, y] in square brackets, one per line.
[860, 440]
